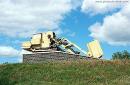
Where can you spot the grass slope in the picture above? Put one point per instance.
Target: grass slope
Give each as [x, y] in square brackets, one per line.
[66, 73]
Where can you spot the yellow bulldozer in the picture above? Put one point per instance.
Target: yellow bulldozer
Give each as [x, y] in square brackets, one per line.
[49, 42]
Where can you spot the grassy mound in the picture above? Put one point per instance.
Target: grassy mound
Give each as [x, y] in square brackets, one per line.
[67, 73]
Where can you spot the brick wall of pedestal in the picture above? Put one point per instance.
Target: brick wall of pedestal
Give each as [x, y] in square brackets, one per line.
[42, 57]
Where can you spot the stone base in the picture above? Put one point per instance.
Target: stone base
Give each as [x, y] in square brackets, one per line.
[55, 56]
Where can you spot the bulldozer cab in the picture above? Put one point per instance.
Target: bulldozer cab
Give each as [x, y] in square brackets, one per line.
[40, 40]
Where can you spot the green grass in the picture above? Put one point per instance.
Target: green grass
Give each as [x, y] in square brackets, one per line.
[67, 73]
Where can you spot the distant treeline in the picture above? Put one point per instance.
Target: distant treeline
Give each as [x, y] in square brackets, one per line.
[121, 55]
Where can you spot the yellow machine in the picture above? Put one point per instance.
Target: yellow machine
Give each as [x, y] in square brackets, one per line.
[49, 42]
[38, 41]
[94, 49]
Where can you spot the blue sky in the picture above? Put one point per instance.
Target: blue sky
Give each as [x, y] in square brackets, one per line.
[81, 21]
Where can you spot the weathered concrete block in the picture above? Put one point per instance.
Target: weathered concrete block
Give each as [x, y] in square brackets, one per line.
[55, 56]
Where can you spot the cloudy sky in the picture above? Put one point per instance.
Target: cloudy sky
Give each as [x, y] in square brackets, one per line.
[80, 21]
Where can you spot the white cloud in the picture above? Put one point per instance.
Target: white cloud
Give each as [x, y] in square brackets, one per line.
[115, 29]
[20, 59]
[72, 34]
[100, 6]
[25, 17]
[8, 51]
[69, 33]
